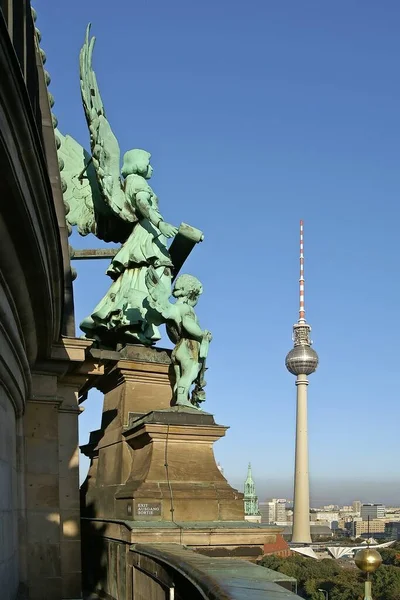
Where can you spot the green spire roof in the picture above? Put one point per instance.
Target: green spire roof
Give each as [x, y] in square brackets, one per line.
[250, 497]
[249, 478]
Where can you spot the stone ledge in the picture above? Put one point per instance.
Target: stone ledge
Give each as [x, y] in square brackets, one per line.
[176, 415]
[135, 353]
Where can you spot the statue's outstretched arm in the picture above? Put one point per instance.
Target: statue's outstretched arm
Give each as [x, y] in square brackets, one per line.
[146, 209]
[144, 206]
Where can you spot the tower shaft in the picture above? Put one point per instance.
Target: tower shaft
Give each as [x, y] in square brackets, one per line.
[301, 513]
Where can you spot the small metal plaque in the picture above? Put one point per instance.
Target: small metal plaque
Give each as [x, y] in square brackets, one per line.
[148, 509]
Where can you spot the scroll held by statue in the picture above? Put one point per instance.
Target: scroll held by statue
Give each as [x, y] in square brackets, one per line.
[182, 245]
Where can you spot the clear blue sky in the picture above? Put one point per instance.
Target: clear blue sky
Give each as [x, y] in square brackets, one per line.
[258, 114]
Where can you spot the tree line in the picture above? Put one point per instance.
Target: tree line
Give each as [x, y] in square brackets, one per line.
[342, 580]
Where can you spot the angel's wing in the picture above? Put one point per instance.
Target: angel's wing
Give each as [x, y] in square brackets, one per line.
[158, 298]
[104, 144]
[87, 209]
[80, 189]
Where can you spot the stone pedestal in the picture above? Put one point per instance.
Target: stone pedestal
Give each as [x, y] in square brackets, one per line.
[153, 475]
[173, 474]
[137, 381]
[160, 467]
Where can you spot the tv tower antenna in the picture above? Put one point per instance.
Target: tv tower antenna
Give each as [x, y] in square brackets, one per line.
[302, 311]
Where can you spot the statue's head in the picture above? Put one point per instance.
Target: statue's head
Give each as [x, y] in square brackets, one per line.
[137, 162]
[188, 288]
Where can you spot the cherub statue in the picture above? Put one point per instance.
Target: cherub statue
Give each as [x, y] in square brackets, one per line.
[120, 207]
[191, 342]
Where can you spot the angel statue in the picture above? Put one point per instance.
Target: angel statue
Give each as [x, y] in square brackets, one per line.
[191, 342]
[120, 207]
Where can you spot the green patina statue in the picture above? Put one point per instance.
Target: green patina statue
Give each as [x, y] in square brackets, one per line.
[121, 315]
[120, 206]
[191, 342]
[115, 208]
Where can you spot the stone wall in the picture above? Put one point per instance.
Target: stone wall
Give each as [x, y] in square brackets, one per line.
[39, 482]
[52, 497]
[9, 575]
[52, 511]
[34, 270]
[39, 491]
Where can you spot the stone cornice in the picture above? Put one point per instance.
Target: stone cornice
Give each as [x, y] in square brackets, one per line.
[70, 362]
[49, 142]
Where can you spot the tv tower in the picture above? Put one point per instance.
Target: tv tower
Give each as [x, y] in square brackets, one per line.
[301, 361]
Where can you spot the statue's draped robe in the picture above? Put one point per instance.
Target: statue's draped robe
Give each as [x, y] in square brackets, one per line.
[123, 311]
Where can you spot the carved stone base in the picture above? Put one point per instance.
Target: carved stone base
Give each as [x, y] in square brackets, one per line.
[168, 471]
[151, 461]
[136, 380]
[174, 476]
[139, 382]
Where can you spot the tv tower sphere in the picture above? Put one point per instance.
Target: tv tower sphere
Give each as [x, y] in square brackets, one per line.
[302, 359]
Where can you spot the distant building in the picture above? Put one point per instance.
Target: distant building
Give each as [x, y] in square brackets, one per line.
[374, 526]
[392, 530]
[357, 506]
[273, 511]
[317, 531]
[373, 511]
[278, 548]
[347, 524]
[267, 510]
[326, 516]
[251, 510]
[392, 514]
[280, 505]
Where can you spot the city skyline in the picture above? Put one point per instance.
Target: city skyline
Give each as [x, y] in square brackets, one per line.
[325, 492]
[317, 138]
[367, 493]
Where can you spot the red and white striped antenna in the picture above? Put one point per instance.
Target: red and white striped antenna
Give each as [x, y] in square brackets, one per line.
[302, 312]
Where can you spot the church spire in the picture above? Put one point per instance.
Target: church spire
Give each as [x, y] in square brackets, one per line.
[249, 478]
[250, 497]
